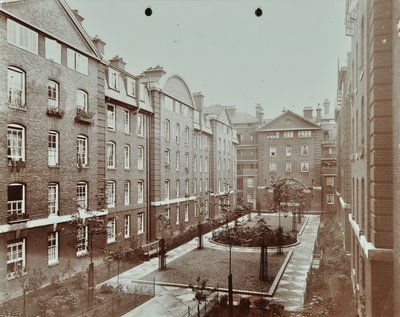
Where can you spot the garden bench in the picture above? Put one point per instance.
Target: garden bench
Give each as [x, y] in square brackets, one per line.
[150, 248]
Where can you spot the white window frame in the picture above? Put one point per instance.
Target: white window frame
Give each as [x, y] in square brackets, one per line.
[77, 61]
[53, 145]
[330, 181]
[16, 256]
[131, 87]
[304, 150]
[194, 163]
[111, 231]
[15, 142]
[177, 133]
[16, 207]
[250, 182]
[304, 167]
[304, 134]
[177, 215]
[288, 167]
[140, 198]
[111, 154]
[167, 130]
[177, 188]
[82, 195]
[272, 151]
[127, 121]
[113, 79]
[23, 37]
[288, 150]
[140, 125]
[186, 213]
[53, 95]
[140, 159]
[287, 134]
[52, 50]
[82, 100]
[167, 189]
[110, 190]
[82, 150]
[127, 156]
[127, 193]
[111, 117]
[16, 88]
[273, 166]
[82, 238]
[186, 187]
[177, 160]
[52, 198]
[187, 160]
[52, 248]
[187, 135]
[127, 226]
[330, 201]
[140, 223]
[167, 157]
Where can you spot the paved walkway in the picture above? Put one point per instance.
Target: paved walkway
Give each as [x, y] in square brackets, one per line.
[174, 301]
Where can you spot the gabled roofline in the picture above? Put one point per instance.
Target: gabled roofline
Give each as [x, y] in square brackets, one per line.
[265, 126]
[78, 26]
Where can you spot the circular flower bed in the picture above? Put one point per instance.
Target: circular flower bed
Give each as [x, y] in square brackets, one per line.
[255, 236]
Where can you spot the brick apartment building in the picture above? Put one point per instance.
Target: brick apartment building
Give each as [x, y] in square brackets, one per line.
[84, 136]
[366, 110]
[289, 146]
[187, 146]
[127, 144]
[396, 154]
[247, 161]
[223, 147]
[52, 125]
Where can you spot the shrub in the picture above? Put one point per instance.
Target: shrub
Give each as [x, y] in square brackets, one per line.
[56, 281]
[261, 303]
[244, 306]
[106, 289]
[79, 279]
[223, 301]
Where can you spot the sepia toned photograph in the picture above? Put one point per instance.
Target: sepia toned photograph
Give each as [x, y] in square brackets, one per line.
[200, 158]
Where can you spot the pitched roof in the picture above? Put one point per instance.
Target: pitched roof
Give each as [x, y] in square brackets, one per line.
[242, 117]
[289, 120]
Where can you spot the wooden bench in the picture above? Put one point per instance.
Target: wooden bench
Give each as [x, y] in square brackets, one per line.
[150, 248]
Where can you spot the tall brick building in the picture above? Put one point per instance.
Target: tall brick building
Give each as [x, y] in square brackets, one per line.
[52, 123]
[83, 136]
[289, 146]
[126, 150]
[367, 101]
[396, 154]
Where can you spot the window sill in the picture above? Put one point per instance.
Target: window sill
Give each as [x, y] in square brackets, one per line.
[140, 233]
[111, 242]
[111, 129]
[54, 166]
[127, 237]
[81, 254]
[111, 168]
[55, 263]
[12, 276]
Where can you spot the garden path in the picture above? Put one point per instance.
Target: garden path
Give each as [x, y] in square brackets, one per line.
[174, 301]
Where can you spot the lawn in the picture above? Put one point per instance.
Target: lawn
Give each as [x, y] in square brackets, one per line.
[212, 264]
[272, 220]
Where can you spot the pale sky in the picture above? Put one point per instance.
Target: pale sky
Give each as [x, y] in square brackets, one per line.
[287, 57]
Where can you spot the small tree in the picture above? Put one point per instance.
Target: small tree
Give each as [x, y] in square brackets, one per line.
[202, 213]
[263, 234]
[201, 292]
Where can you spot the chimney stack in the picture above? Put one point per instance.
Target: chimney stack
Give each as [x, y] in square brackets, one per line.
[99, 44]
[118, 62]
[259, 113]
[78, 16]
[198, 100]
[319, 117]
[308, 112]
[153, 74]
[326, 107]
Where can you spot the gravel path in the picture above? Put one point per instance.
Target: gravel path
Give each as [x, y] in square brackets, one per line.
[212, 265]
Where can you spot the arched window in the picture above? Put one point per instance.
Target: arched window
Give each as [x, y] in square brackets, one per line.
[16, 88]
[167, 130]
[15, 142]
